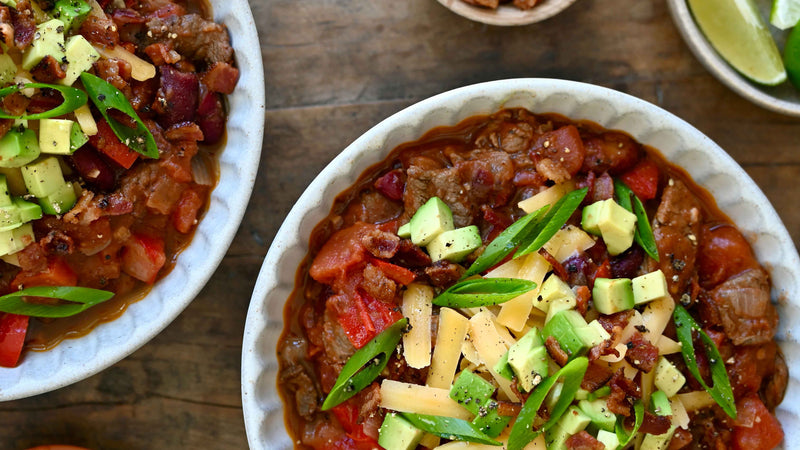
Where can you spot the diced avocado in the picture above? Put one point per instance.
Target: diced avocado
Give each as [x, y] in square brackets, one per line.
[28, 211]
[612, 295]
[14, 181]
[48, 40]
[658, 441]
[71, 12]
[9, 218]
[430, 220]
[598, 412]
[77, 138]
[55, 136]
[553, 289]
[11, 259]
[502, 367]
[659, 403]
[60, 201]
[582, 394]
[396, 433]
[475, 395]
[43, 177]
[404, 231]
[572, 422]
[528, 358]
[649, 287]
[11, 3]
[593, 333]
[614, 223]
[564, 328]
[12, 241]
[80, 56]
[5, 194]
[7, 70]
[454, 245]
[609, 439]
[601, 392]
[18, 147]
[668, 378]
[558, 305]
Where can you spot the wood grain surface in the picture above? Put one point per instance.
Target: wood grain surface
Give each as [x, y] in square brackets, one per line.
[333, 69]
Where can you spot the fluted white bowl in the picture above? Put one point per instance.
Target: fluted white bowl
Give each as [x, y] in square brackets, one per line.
[75, 359]
[736, 194]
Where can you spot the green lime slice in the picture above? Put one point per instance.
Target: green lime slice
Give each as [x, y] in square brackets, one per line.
[785, 13]
[791, 56]
[739, 34]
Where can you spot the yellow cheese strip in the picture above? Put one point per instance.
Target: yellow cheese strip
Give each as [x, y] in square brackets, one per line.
[84, 117]
[430, 441]
[447, 351]
[679, 414]
[417, 308]
[696, 400]
[547, 197]
[514, 313]
[655, 317]
[509, 269]
[413, 398]
[648, 383]
[667, 346]
[490, 346]
[568, 241]
[141, 70]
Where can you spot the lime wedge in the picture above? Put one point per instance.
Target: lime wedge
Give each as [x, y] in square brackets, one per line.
[791, 56]
[737, 31]
[785, 13]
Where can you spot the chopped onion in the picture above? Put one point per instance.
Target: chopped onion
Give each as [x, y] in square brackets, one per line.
[202, 171]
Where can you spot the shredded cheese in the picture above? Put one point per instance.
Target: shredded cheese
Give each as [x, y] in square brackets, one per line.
[514, 313]
[490, 346]
[547, 197]
[568, 241]
[413, 398]
[417, 307]
[447, 351]
[696, 400]
[86, 121]
[667, 346]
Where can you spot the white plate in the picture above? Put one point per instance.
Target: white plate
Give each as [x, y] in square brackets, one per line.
[736, 194]
[76, 359]
[507, 15]
[783, 98]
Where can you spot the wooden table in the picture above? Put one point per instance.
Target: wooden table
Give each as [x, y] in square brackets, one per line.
[334, 68]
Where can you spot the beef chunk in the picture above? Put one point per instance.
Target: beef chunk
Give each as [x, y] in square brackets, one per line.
[676, 228]
[743, 308]
[193, 37]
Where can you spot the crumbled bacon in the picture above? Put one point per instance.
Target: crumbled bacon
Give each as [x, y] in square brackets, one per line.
[24, 24]
[583, 441]
[623, 392]
[221, 77]
[380, 244]
[48, 70]
[556, 352]
[596, 376]
[641, 353]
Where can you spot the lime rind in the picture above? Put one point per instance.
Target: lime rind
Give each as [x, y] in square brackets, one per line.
[785, 13]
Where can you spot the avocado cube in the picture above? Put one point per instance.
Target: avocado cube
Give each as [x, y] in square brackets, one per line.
[5, 194]
[47, 41]
[572, 422]
[528, 358]
[404, 231]
[60, 201]
[609, 439]
[475, 395]
[80, 56]
[55, 136]
[554, 289]
[590, 217]
[593, 334]
[659, 403]
[77, 138]
[9, 218]
[396, 433]
[18, 147]
[430, 220]
[614, 223]
[564, 328]
[43, 177]
[502, 367]
[10, 3]
[71, 12]
[7, 70]
[28, 211]
[598, 412]
[649, 287]
[612, 295]
[658, 441]
[12, 241]
[454, 245]
[15, 184]
[668, 378]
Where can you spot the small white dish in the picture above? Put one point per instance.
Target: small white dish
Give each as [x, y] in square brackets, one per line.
[75, 359]
[784, 98]
[507, 15]
[736, 194]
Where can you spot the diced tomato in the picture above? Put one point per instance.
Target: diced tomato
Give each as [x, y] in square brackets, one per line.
[12, 337]
[185, 215]
[643, 179]
[367, 318]
[764, 434]
[347, 414]
[395, 272]
[58, 273]
[604, 271]
[143, 256]
[341, 253]
[107, 143]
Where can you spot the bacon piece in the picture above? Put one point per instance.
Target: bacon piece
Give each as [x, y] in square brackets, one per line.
[32, 258]
[641, 353]
[184, 131]
[162, 53]
[221, 77]
[596, 376]
[380, 244]
[58, 243]
[654, 424]
[24, 24]
[619, 319]
[48, 70]
[127, 16]
[623, 392]
[583, 441]
[100, 31]
[409, 255]
[556, 352]
[582, 296]
[444, 273]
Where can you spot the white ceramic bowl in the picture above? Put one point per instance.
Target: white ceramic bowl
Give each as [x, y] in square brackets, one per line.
[783, 98]
[76, 359]
[709, 165]
[507, 15]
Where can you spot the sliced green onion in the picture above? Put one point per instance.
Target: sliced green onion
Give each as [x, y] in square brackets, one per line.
[450, 428]
[556, 217]
[105, 96]
[644, 233]
[522, 432]
[721, 392]
[73, 99]
[483, 292]
[505, 243]
[365, 365]
[624, 437]
[80, 298]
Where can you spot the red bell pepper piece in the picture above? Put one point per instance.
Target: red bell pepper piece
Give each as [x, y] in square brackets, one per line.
[184, 218]
[12, 338]
[366, 318]
[395, 272]
[107, 143]
[643, 179]
[347, 414]
[143, 256]
[764, 434]
[58, 273]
